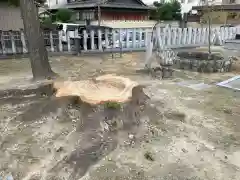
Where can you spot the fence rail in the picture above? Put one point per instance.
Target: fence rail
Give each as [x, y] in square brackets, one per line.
[14, 42]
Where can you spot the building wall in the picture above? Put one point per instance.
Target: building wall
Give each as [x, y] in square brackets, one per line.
[217, 17]
[233, 19]
[10, 18]
[134, 24]
[137, 16]
[222, 17]
[110, 15]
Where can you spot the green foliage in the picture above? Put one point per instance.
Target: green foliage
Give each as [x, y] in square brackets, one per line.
[45, 20]
[113, 105]
[166, 10]
[64, 15]
[16, 2]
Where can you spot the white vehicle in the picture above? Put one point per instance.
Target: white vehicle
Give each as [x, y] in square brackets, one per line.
[116, 44]
[71, 32]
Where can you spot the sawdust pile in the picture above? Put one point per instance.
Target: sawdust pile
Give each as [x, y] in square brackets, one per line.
[106, 88]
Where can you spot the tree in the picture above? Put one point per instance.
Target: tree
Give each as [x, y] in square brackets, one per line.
[41, 68]
[166, 11]
[64, 15]
[208, 9]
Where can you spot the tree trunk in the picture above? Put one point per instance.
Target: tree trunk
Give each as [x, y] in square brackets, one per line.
[41, 68]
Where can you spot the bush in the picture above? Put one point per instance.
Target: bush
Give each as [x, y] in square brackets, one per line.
[166, 11]
[64, 15]
[45, 20]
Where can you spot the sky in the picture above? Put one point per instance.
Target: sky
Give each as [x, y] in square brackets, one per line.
[148, 1]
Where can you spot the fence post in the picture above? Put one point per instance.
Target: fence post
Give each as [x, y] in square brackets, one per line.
[164, 31]
[180, 36]
[24, 44]
[194, 36]
[100, 40]
[120, 31]
[160, 42]
[68, 41]
[85, 36]
[77, 40]
[231, 32]
[222, 34]
[218, 34]
[51, 41]
[227, 32]
[184, 36]
[213, 36]
[12, 42]
[106, 38]
[149, 49]
[146, 37]
[174, 37]
[127, 38]
[169, 34]
[190, 36]
[60, 41]
[2, 42]
[134, 37]
[234, 32]
[92, 39]
[199, 33]
[114, 39]
[205, 36]
[140, 38]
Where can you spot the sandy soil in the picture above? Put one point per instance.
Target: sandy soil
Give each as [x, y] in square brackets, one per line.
[184, 134]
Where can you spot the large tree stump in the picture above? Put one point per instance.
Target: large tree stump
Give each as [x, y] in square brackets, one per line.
[113, 116]
[96, 126]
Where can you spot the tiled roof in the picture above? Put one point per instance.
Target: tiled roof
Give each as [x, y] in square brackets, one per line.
[105, 3]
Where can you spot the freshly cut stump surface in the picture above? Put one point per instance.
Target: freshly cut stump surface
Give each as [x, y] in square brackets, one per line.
[99, 90]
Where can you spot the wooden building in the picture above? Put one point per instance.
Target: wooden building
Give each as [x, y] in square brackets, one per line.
[124, 10]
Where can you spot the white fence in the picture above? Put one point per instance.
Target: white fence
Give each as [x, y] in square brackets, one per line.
[14, 42]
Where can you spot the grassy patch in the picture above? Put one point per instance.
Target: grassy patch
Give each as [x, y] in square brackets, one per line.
[112, 105]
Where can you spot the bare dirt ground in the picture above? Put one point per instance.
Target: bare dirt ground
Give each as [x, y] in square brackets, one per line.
[184, 134]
